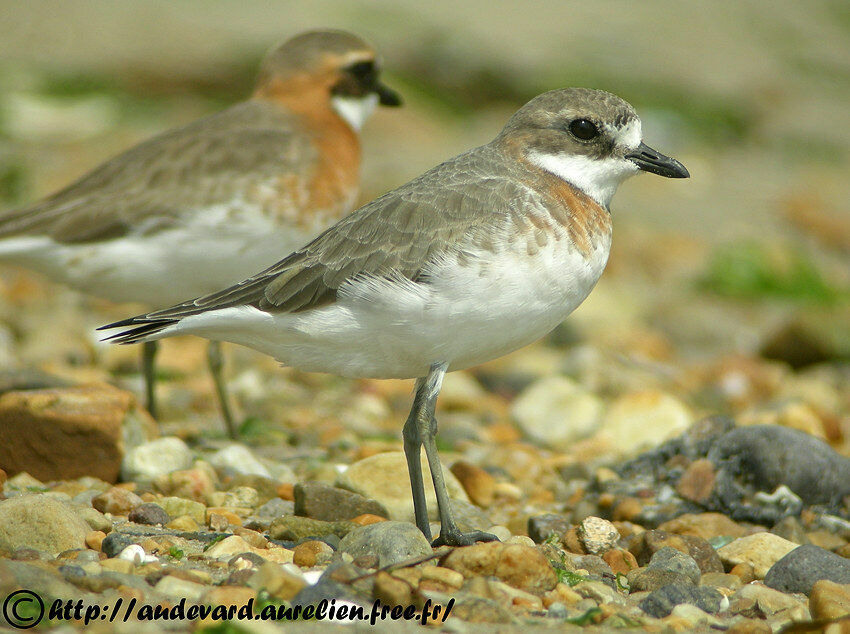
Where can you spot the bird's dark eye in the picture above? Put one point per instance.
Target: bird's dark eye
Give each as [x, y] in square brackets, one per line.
[363, 71]
[583, 129]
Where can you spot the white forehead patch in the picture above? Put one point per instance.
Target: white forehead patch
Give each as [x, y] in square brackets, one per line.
[355, 110]
[630, 135]
[598, 178]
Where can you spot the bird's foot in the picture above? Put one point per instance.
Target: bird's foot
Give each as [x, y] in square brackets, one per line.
[453, 537]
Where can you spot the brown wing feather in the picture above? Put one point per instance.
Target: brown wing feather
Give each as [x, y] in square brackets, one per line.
[148, 185]
[455, 206]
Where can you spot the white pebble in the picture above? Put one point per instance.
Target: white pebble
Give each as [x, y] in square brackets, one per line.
[136, 554]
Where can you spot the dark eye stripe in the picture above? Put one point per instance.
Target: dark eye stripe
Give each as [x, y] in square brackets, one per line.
[362, 71]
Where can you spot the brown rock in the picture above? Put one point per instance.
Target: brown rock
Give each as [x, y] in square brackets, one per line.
[621, 561]
[67, 433]
[572, 542]
[627, 509]
[479, 485]
[697, 481]
[367, 518]
[749, 626]
[312, 553]
[829, 600]
[520, 566]
[253, 538]
[391, 590]
[94, 539]
[745, 572]
[440, 579]
[644, 545]
[117, 501]
[228, 595]
[705, 525]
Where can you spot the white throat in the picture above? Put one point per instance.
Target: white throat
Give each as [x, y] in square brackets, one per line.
[598, 178]
[355, 110]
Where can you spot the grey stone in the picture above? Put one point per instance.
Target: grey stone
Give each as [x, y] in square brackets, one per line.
[541, 527]
[276, 507]
[40, 522]
[325, 502]
[661, 602]
[802, 567]
[392, 542]
[114, 543]
[668, 558]
[149, 513]
[649, 579]
[764, 457]
[294, 528]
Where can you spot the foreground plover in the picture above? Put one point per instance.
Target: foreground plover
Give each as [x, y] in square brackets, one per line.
[200, 207]
[475, 258]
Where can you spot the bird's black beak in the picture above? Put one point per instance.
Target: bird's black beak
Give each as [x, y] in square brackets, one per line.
[654, 162]
[386, 95]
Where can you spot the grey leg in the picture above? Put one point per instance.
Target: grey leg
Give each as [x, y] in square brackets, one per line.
[412, 444]
[450, 534]
[149, 350]
[216, 362]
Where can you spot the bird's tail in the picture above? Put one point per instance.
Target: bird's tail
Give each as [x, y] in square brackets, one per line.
[138, 329]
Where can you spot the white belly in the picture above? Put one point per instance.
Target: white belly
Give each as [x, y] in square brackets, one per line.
[464, 316]
[163, 268]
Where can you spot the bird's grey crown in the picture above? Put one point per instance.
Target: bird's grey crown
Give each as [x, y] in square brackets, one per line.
[307, 50]
[555, 107]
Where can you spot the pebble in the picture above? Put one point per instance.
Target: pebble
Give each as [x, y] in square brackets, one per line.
[384, 478]
[179, 507]
[644, 418]
[238, 459]
[620, 561]
[192, 484]
[555, 411]
[671, 559]
[40, 522]
[697, 482]
[176, 588]
[542, 527]
[94, 539]
[312, 553]
[649, 579]
[276, 507]
[661, 602]
[597, 535]
[479, 485]
[768, 600]
[829, 600]
[520, 566]
[294, 528]
[150, 514]
[769, 456]
[761, 550]
[69, 432]
[798, 570]
[281, 581]
[155, 458]
[96, 520]
[136, 554]
[393, 542]
[325, 502]
[116, 501]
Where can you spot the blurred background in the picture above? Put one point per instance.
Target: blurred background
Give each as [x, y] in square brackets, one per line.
[728, 292]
